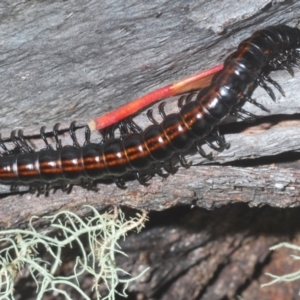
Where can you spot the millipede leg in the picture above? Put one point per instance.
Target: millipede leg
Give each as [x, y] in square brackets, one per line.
[3, 146]
[47, 189]
[24, 143]
[202, 152]
[15, 141]
[276, 63]
[296, 58]
[150, 117]
[169, 168]
[129, 126]
[189, 97]
[181, 101]
[66, 187]
[73, 134]
[44, 138]
[160, 173]
[135, 128]
[287, 67]
[254, 102]
[286, 62]
[32, 188]
[41, 188]
[14, 187]
[183, 161]
[238, 111]
[55, 134]
[220, 139]
[119, 183]
[274, 83]
[141, 179]
[185, 99]
[123, 128]
[161, 109]
[89, 184]
[87, 135]
[293, 58]
[109, 132]
[262, 83]
[212, 146]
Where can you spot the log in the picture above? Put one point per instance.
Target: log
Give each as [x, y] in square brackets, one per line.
[61, 67]
[199, 254]
[65, 61]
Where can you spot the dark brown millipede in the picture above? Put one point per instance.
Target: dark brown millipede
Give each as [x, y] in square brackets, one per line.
[272, 48]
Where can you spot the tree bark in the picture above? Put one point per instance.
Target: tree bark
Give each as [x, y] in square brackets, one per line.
[65, 61]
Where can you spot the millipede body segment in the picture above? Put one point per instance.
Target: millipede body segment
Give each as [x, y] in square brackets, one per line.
[272, 48]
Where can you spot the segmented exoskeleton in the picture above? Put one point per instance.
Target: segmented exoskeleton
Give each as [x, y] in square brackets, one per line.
[276, 47]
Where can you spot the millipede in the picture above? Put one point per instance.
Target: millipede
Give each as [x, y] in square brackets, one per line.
[137, 151]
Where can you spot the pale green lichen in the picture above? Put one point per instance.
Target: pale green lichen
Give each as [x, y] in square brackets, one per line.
[286, 277]
[103, 230]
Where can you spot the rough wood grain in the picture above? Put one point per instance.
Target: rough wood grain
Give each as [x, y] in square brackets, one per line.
[63, 61]
[196, 254]
[74, 60]
[200, 254]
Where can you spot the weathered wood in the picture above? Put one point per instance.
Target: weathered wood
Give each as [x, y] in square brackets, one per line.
[206, 187]
[200, 254]
[62, 61]
[212, 255]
